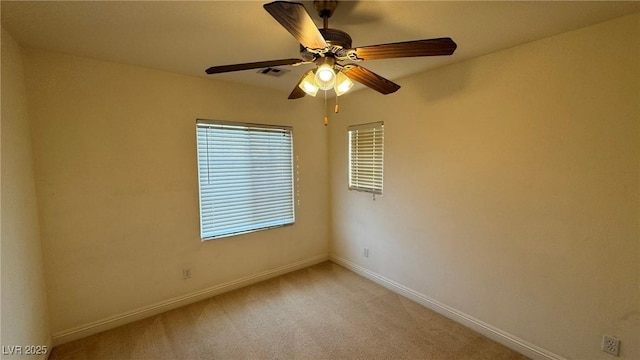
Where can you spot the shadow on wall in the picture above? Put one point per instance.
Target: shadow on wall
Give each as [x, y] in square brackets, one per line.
[440, 84]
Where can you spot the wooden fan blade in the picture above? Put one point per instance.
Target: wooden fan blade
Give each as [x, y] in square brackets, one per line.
[252, 65]
[371, 79]
[426, 47]
[295, 18]
[297, 92]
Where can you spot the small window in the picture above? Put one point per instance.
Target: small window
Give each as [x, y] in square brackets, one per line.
[366, 150]
[245, 175]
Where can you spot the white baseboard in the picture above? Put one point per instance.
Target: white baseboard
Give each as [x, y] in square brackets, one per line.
[522, 346]
[170, 304]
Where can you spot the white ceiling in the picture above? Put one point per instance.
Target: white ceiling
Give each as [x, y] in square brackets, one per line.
[188, 37]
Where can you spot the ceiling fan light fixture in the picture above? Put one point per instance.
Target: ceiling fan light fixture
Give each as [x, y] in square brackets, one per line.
[327, 47]
[308, 84]
[325, 75]
[343, 83]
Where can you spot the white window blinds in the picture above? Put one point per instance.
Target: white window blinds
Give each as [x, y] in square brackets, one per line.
[245, 173]
[366, 150]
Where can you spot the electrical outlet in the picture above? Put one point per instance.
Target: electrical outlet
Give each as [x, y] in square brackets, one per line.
[610, 345]
[186, 273]
[365, 252]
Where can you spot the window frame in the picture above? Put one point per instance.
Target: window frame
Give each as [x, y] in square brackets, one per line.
[253, 127]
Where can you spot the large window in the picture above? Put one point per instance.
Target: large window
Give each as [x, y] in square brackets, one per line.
[366, 150]
[245, 174]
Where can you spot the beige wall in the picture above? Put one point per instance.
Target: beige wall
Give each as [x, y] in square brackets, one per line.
[25, 318]
[116, 174]
[511, 189]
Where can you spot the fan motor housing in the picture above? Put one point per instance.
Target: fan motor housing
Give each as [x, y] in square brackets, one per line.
[335, 37]
[339, 42]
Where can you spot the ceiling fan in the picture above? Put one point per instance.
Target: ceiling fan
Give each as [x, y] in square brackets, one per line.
[328, 48]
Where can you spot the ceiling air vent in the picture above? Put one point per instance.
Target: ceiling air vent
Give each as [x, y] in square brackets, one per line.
[273, 71]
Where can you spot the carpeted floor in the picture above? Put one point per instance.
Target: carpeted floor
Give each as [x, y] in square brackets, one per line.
[321, 312]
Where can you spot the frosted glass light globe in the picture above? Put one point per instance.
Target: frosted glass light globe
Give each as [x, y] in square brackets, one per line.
[325, 77]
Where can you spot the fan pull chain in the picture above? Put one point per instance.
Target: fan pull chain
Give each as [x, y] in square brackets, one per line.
[336, 109]
[326, 113]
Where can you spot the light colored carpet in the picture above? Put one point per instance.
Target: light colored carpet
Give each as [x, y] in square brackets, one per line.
[321, 312]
